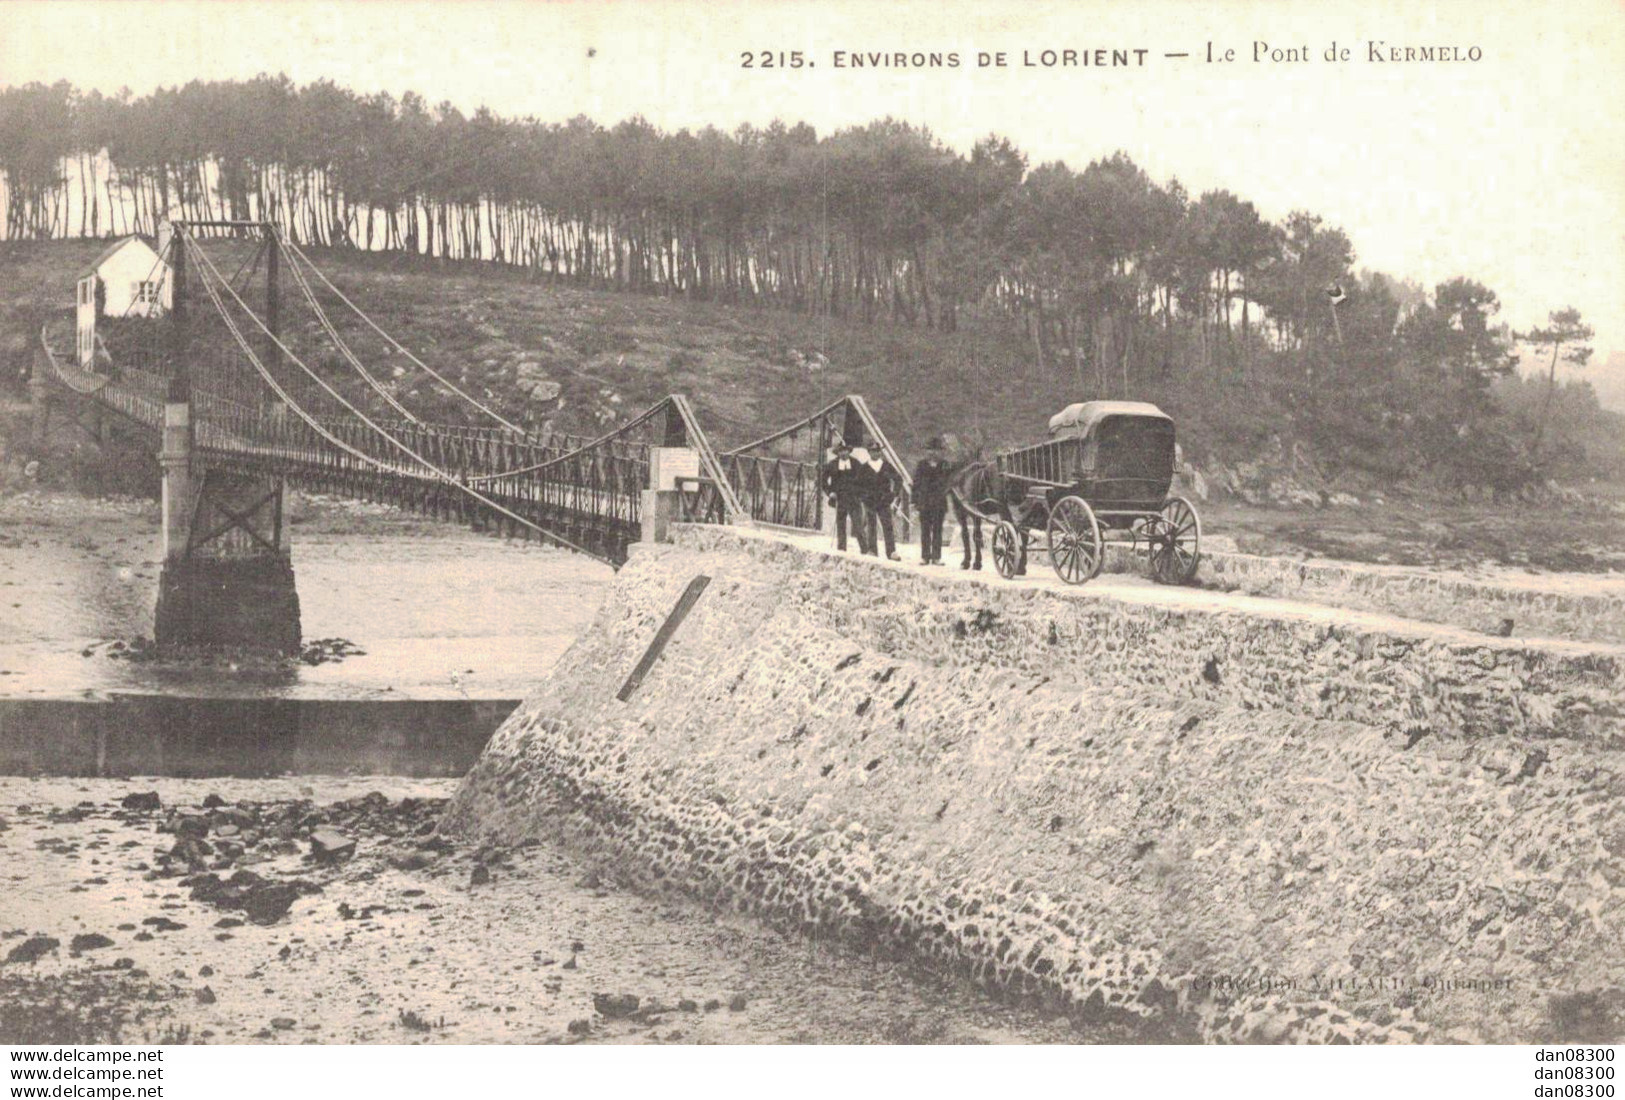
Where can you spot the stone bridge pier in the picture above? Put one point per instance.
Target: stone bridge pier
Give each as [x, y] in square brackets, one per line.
[227, 578]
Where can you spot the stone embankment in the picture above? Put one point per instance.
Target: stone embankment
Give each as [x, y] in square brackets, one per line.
[1579, 606]
[1236, 818]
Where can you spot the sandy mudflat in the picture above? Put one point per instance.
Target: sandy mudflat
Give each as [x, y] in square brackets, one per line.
[402, 936]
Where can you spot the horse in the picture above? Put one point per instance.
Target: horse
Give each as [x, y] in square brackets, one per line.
[979, 492]
[972, 486]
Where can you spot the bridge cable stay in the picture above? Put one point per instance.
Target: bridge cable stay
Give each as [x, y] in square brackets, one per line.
[729, 499]
[812, 421]
[250, 265]
[686, 413]
[861, 407]
[332, 333]
[716, 475]
[708, 455]
[398, 346]
[759, 467]
[873, 426]
[206, 267]
[206, 264]
[609, 437]
[725, 492]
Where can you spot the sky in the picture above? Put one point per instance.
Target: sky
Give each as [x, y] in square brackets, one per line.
[1509, 168]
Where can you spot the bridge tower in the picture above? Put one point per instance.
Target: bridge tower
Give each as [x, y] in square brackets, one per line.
[672, 460]
[227, 577]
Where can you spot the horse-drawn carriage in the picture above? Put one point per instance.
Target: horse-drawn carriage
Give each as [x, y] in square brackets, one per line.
[1103, 475]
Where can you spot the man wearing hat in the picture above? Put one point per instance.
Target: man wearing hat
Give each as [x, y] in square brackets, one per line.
[878, 485]
[931, 479]
[842, 484]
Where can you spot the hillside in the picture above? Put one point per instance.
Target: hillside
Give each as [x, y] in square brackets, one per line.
[587, 359]
[748, 370]
[539, 349]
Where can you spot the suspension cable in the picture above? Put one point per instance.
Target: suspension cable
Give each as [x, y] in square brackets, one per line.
[398, 346]
[332, 333]
[207, 265]
[643, 418]
[245, 266]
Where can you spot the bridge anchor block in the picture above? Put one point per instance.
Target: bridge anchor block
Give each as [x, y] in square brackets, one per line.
[660, 503]
[658, 509]
[248, 604]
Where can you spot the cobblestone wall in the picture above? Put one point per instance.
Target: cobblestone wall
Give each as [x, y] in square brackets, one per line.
[1589, 608]
[1236, 826]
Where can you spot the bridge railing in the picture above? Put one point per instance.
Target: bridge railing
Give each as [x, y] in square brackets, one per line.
[778, 477]
[781, 491]
[257, 406]
[131, 398]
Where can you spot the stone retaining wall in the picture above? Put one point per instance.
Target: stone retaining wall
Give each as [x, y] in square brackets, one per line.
[1538, 607]
[1236, 826]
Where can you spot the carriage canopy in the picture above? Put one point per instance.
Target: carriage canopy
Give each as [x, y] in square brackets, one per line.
[1080, 418]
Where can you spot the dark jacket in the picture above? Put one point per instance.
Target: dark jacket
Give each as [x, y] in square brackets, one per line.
[834, 480]
[878, 487]
[931, 480]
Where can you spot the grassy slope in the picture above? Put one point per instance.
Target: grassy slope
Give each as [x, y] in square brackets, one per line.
[742, 367]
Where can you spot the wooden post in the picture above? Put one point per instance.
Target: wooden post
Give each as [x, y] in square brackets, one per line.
[39, 393]
[685, 604]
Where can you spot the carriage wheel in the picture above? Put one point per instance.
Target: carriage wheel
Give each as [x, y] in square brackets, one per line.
[1076, 549]
[1007, 549]
[1176, 542]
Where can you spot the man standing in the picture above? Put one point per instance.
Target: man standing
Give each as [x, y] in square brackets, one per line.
[878, 484]
[931, 479]
[841, 484]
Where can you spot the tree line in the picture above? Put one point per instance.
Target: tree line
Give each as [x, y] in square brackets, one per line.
[1117, 284]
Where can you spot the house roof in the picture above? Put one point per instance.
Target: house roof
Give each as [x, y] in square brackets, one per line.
[1086, 414]
[110, 250]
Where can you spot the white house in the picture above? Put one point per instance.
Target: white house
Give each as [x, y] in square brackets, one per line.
[135, 280]
[135, 283]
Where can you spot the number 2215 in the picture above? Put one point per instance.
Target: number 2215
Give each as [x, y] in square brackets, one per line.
[767, 59]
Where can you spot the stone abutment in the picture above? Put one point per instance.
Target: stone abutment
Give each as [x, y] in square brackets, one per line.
[1234, 818]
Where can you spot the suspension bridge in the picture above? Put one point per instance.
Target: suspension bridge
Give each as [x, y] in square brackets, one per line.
[246, 385]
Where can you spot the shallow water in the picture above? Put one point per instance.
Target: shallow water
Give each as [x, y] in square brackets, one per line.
[440, 612]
